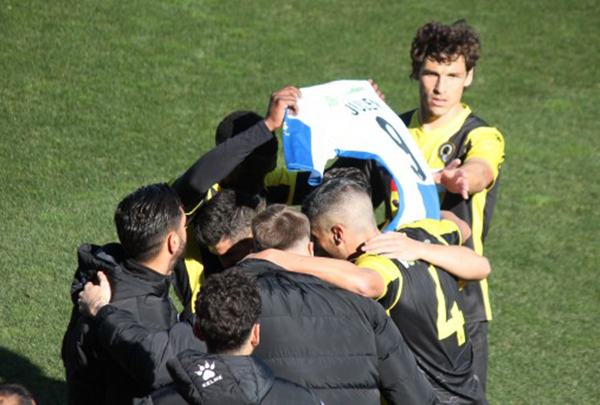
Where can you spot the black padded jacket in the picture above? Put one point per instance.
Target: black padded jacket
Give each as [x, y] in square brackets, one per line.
[341, 346]
[215, 379]
[95, 376]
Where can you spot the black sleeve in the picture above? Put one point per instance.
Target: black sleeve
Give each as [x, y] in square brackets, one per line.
[400, 380]
[215, 165]
[142, 353]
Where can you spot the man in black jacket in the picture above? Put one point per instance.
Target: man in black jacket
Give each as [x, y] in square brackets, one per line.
[151, 228]
[338, 344]
[227, 314]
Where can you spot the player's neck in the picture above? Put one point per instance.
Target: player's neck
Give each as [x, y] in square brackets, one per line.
[431, 122]
[160, 264]
[363, 238]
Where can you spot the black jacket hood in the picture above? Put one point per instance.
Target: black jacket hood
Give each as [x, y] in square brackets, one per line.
[224, 379]
[123, 273]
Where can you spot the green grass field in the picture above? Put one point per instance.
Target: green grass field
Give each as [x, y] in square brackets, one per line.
[100, 97]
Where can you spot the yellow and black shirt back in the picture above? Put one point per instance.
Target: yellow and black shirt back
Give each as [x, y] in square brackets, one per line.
[426, 304]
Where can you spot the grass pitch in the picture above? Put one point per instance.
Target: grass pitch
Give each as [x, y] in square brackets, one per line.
[100, 97]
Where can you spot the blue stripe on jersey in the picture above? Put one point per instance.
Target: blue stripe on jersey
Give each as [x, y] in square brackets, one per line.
[430, 200]
[298, 148]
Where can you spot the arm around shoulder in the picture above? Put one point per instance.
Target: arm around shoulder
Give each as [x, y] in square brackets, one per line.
[344, 274]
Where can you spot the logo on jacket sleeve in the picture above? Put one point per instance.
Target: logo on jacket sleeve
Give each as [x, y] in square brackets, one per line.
[207, 373]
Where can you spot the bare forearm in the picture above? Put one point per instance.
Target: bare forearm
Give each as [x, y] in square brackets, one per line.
[457, 260]
[341, 273]
[478, 173]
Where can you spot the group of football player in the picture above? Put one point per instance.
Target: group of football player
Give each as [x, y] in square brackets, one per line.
[291, 293]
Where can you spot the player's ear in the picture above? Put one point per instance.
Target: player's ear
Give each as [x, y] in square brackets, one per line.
[338, 234]
[255, 335]
[173, 240]
[311, 249]
[469, 78]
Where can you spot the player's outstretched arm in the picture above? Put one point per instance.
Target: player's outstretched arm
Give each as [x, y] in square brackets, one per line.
[365, 282]
[469, 178]
[460, 261]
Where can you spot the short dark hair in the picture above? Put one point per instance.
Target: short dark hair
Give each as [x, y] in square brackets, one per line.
[227, 308]
[16, 392]
[279, 227]
[327, 196]
[444, 43]
[351, 173]
[228, 214]
[238, 122]
[145, 217]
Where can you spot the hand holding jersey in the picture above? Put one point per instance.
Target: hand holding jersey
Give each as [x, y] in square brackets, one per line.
[347, 118]
[281, 100]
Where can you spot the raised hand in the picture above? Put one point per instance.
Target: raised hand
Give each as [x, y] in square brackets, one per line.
[280, 101]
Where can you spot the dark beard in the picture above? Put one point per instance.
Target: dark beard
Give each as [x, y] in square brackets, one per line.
[176, 257]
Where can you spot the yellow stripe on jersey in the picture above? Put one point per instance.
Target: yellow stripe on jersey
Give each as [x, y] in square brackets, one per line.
[436, 228]
[210, 193]
[193, 265]
[487, 143]
[195, 270]
[281, 176]
[391, 275]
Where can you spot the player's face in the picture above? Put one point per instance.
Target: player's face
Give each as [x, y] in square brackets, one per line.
[230, 252]
[324, 244]
[441, 86]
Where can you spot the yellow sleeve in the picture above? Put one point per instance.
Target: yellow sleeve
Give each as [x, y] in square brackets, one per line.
[391, 275]
[487, 143]
[193, 265]
[195, 271]
[445, 231]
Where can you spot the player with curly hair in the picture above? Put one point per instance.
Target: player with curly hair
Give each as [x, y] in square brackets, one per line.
[464, 152]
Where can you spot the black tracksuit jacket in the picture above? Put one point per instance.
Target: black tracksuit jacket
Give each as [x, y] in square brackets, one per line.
[95, 376]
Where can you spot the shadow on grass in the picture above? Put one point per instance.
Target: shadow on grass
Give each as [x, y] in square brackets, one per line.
[15, 368]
